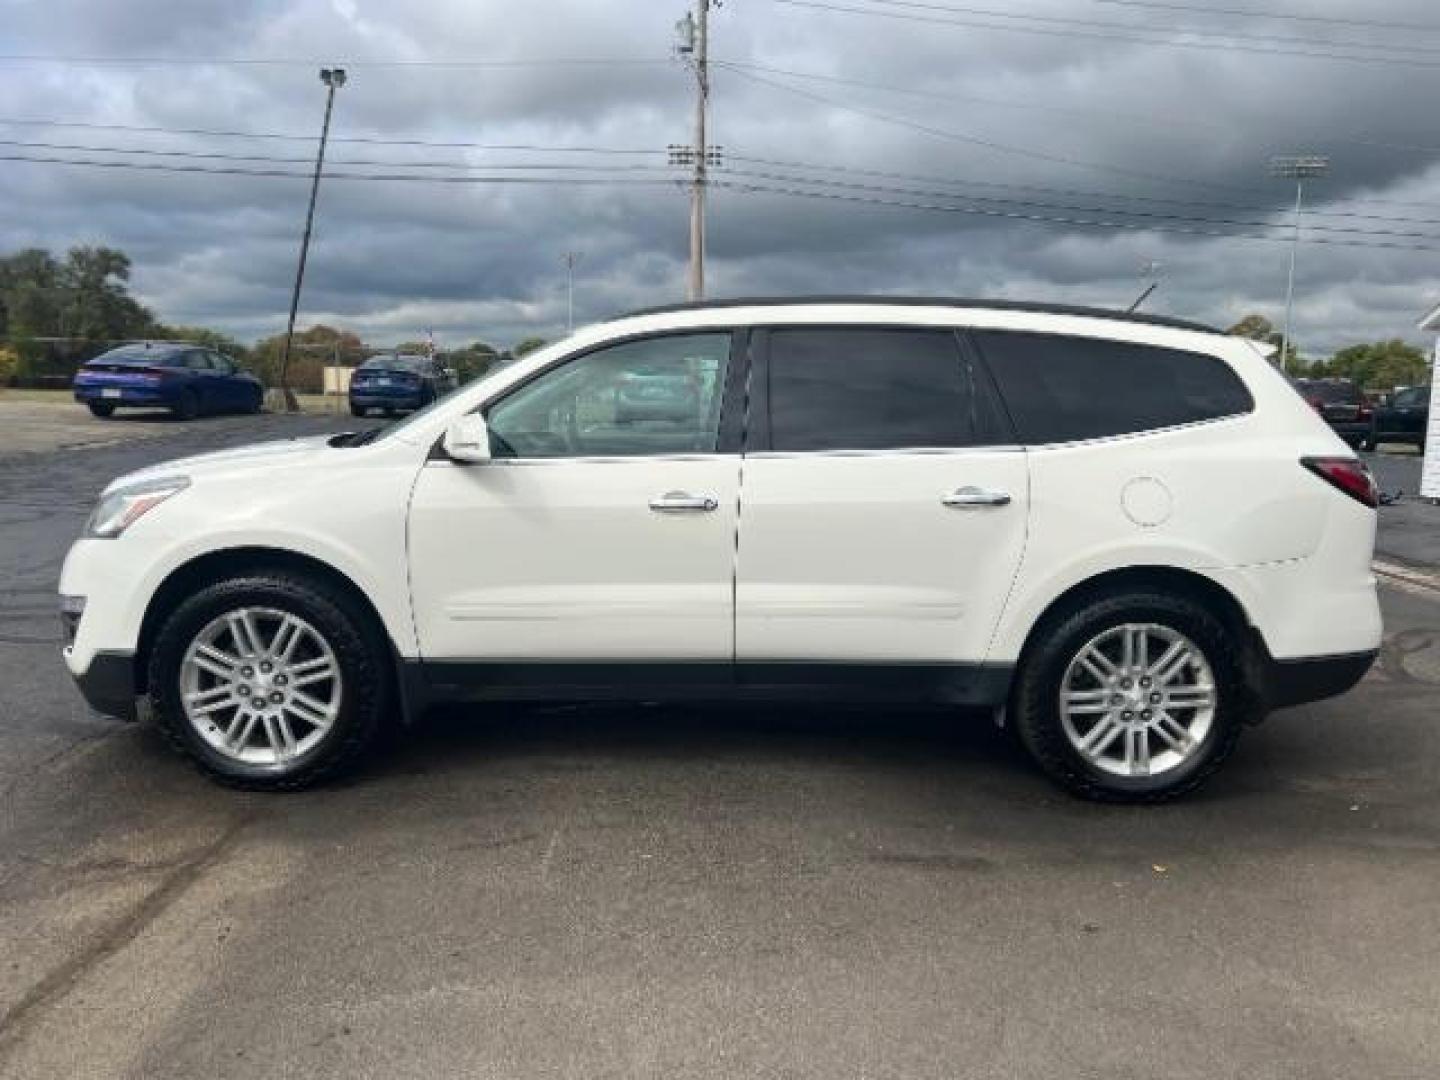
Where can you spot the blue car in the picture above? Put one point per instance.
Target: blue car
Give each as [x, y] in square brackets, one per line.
[186, 379]
[398, 383]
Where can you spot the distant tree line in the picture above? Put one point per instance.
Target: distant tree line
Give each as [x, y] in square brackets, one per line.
[1376, 365]
[57, 312]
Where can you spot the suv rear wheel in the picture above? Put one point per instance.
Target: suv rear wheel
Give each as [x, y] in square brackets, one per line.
[269, 681]
[1132, 698]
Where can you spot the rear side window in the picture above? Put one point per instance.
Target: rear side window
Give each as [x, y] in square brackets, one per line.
[857, 388]
[1060, 389]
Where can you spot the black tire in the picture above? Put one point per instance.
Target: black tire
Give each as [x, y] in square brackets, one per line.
[257, 405]
[188, 407]
[358, 410]
[360, 651]
[103, 409]
[1368, 442]
[1035, 711]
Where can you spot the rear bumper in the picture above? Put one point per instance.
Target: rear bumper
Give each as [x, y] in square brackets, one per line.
[1313, 678]
[408, 399]
[128, 395]
[108, 684]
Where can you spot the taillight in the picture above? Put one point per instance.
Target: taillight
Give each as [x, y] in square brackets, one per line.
[1347, 474]
[1315, 403]
[1363, 412]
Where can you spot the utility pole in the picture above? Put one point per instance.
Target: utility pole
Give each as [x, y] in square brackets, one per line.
[694, 31]
[333, 78]
[571, 258]
[1298, 168]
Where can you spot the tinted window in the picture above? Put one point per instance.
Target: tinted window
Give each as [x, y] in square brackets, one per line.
[1061, 388]
[872, 389]
[657, 395]
[1333, 392]
[1415, 396]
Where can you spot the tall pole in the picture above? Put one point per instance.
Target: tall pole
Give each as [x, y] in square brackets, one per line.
[697, 183]
[1296, 168]
[1290, 280]
[571, 258]
[333, 78]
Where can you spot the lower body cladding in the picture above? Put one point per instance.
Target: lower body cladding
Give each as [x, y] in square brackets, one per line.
[111, 683]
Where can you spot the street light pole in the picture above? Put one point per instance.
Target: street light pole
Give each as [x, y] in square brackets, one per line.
[333, 78]
[1296, 168]
[571, 258]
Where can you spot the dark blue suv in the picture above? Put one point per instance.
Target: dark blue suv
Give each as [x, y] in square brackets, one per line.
[186, 379]
[398, 383]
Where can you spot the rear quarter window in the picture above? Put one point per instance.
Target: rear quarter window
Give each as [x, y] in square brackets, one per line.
[1062, 389]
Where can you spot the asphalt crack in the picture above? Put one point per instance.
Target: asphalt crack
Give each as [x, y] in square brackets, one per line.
[55, 987]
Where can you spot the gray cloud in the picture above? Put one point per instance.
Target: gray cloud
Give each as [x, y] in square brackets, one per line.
[1138, 121]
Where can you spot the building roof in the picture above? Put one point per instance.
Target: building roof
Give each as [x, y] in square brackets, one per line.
[931, 301]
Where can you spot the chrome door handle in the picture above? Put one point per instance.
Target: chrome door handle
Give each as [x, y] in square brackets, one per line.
[972, 498]
[680, 501]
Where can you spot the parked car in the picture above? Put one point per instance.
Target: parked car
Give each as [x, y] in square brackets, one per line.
[1124, 535]
[1405, 418]
[398, 383]
[186, 379]
[1343, 405]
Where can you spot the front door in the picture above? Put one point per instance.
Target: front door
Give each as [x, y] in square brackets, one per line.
[604, 526]
[884, 509]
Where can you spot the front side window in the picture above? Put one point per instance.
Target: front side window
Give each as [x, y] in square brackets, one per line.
[659, 395]
[1062, 389]
[858, 388]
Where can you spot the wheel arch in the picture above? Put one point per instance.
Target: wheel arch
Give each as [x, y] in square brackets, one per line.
[232, 562]
[1203, 590]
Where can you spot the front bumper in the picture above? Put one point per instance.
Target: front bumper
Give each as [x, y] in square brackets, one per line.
[108, 684]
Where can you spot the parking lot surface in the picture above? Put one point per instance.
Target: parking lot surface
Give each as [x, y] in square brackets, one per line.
[606, 892]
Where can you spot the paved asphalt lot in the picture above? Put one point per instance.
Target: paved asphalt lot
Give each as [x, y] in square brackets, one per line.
[602, 892]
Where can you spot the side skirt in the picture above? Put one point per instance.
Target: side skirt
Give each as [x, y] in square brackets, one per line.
[984, 685]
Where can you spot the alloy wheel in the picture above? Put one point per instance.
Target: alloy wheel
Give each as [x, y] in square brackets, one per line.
[261, 686]
[1138, 700]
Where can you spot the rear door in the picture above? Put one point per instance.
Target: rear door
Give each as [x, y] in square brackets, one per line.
[884, 502]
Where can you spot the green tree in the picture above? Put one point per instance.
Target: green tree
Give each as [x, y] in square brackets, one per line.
[1379, 365]
[473, 361]
[1259, 328]
[312, 350]
[529, 345]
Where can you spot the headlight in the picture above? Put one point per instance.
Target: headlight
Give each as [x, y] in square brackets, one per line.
[121, 508]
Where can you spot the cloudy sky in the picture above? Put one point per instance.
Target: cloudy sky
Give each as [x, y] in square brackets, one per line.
[1041, 149]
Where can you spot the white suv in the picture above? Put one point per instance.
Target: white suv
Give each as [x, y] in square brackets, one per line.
[1126, 536]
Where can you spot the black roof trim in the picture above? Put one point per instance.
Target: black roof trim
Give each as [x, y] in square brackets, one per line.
[932, 301]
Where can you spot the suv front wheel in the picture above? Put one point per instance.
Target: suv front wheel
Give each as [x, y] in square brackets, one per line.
[269, 681]
[1138, 697]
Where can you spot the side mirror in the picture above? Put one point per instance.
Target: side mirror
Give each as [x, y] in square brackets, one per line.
[467, 440]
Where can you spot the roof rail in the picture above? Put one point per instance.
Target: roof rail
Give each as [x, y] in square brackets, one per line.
[931, 301]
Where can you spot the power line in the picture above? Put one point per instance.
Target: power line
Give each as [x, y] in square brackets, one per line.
[1146, 215]
[368, 140]
[219, 156]
[268, 61]
[975, 140]
[1225, 35]
[1083, 193]
[145, 166]
[1251, 13]
[1016, 215]
[933, 95]
[1110, 36]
